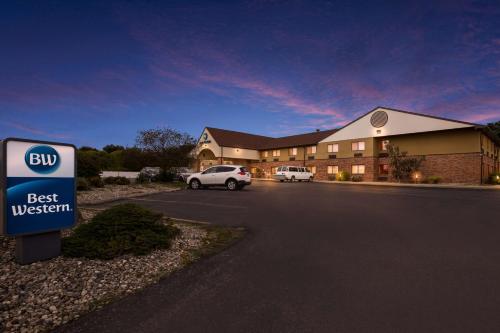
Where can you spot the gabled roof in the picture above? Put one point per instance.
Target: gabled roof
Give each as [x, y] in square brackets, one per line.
[227, 138]
[305, 139]
[236, 139]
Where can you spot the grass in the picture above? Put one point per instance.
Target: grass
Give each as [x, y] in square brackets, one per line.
[218, 238]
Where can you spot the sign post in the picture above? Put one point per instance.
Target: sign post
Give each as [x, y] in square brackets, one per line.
[38, 196]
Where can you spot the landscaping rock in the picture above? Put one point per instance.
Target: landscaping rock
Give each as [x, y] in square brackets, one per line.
[41, 296]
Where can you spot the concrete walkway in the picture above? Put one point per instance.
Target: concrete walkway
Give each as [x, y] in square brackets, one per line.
[391, 184]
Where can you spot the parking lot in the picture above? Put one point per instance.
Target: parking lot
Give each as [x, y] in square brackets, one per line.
[327, 258]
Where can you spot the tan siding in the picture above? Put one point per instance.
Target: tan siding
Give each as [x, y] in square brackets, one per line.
[445, 142]
[345, 148]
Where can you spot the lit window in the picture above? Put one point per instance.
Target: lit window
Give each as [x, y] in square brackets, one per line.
[333, 148]
[313, 169]
[360, 145]
[273, 170]
[358, 169]
[384, 144]
[276, 153]
[383, 169]
[266, 153]
[311, 150]
[292, 151]
[332, 169]
[253, 170]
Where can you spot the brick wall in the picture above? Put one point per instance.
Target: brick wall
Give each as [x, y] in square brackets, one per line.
[452, 168]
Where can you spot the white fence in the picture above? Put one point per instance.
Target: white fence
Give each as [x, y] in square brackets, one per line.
[127, 174]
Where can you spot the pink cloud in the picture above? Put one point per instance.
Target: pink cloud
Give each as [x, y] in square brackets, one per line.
[35, 131]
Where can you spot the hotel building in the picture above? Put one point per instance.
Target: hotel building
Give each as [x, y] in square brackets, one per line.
[455, 151]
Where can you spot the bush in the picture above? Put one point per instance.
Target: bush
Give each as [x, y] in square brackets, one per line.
[95, 181]
[82, 184]
[494, 178]
[142, 178]
[122, 229]
[357, 178]
[343, 176]
[433, 180]
[166, 176]
[116, 181]
[122, 181]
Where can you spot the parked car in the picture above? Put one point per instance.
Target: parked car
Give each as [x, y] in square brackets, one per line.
[182, 173]
[233, 177]
[293, 173]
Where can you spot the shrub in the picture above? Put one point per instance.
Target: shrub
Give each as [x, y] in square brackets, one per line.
[95, 181]
[433, 179]
[122, 181]
[494, 178]
[343, 176]
[357, 178]
[116, 181]
[165, 176]
[122, 229]
[82, 184]
[142, 178]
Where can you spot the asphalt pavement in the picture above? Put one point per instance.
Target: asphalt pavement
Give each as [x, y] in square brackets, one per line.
[327, 258]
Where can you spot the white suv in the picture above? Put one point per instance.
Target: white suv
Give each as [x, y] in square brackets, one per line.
[293, 173]
[234, 177]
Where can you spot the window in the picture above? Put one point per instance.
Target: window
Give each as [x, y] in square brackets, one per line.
[333, 148]
[266, 153]
[253, 170]
[383, 169]
[358, 169]
[292, 151]
[311, 150]
[276, 153]
[273, 170]
[360, 145]
[224, 169]
[210, 170]
[332, 169]
[293, 169]
[313, 169]
[383, 145]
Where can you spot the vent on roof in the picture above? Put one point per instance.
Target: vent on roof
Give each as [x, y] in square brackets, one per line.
[379, 119]
[292, 158]
[332, 156]
[310, 157]
[358, 155]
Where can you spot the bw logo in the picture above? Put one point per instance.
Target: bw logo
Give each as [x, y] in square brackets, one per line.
[42, 159]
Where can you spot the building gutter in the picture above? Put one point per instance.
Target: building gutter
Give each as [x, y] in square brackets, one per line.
[481, 152]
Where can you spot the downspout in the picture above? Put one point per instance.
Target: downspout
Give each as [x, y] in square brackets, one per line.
[221, 155]
[304, 163]
[481, 152]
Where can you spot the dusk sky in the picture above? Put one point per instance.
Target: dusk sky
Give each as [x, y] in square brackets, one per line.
[94, 73]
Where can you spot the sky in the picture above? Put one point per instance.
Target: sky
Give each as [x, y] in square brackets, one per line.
[95, 73]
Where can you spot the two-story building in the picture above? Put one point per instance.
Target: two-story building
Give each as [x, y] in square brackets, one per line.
[455, 151]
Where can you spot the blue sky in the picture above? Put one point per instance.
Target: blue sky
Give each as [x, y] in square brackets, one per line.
[94, 73]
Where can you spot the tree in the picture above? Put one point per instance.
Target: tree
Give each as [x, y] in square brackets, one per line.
[495, 128]
[401, 165]
[111, 148]
[167, 147]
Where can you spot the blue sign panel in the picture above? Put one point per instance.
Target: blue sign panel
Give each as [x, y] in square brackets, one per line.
[39, 187]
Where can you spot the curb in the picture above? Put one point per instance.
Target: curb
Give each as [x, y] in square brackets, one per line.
[407, 185]
[90, 204]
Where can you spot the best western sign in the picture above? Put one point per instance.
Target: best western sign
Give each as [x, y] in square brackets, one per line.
[38, 187]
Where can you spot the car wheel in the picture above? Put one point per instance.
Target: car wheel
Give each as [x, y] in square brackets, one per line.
[195, 184]
[310, 179]
[232, 185]
[281, 180]
[292, 179]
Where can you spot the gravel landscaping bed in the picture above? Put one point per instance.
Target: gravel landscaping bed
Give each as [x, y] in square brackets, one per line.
[114, 192]
[41, 296]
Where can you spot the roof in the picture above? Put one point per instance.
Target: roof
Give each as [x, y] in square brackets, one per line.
[227, 138]
[236, 139]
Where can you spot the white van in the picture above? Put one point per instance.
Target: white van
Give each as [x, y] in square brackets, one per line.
[293, 173]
